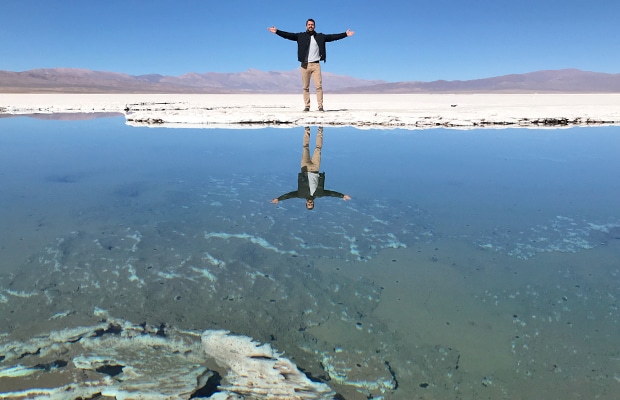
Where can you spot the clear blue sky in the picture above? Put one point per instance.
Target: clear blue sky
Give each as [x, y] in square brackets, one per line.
[405, 40]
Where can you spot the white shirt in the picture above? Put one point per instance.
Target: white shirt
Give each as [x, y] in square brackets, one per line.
[313, 181]
[314, 54]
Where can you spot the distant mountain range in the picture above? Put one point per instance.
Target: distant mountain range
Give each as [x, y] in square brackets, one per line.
[71, 80]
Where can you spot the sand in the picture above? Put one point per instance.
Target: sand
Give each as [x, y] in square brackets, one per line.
[370, 111]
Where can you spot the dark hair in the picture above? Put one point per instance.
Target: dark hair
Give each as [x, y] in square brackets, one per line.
[310, 19]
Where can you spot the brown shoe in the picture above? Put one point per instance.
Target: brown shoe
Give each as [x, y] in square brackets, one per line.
[321, 109]
[307, 109]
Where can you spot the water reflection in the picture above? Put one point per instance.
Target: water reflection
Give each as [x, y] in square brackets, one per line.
[478, 264]
[66, 116]
[310, 181]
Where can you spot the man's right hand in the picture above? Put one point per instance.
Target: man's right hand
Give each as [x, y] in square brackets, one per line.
[274, 201]
[272, 29]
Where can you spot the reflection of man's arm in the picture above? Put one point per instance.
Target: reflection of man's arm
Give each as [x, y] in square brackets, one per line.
[286, 196]
[332, 193]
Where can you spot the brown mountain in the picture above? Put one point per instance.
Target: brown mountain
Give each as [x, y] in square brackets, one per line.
[70, 80]
[554, 81]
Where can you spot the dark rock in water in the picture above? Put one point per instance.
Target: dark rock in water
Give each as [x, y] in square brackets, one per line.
[112, 329]
[111, 370]
[161, 331]
[52, 365]
[210, 386]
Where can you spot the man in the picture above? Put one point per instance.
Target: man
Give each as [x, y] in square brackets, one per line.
[310, 51]
[311, 182]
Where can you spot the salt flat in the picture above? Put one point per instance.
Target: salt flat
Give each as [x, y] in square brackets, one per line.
[368, 111]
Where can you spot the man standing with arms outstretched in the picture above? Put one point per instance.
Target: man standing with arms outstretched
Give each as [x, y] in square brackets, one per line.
[310, 52]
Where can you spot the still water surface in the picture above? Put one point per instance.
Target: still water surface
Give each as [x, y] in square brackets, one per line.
[467, 264]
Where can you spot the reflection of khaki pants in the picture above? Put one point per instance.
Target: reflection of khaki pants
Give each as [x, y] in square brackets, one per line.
[312, 164]
[312, 70]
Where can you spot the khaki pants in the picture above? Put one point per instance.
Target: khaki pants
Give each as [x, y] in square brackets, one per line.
[312, 164]
[312, 70]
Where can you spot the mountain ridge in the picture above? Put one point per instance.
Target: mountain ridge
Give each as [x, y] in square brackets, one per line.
[544, 81]
[76, 80]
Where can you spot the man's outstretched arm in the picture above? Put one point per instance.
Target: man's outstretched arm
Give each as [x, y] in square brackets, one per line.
[285, 35]
[337, 36]
[332, 193]
[286, 196]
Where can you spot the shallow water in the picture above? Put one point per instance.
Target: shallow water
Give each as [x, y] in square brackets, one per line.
[468, 263]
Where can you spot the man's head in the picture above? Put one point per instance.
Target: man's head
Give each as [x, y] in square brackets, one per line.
[310, 25]
[309, 203]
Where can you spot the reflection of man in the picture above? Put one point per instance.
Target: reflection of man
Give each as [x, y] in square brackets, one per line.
[310, 52]
[311, 182]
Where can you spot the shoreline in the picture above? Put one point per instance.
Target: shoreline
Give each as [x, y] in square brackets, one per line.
[364, 111]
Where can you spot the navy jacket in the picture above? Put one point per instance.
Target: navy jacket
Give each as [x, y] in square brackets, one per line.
[303, 42]
[303, 188]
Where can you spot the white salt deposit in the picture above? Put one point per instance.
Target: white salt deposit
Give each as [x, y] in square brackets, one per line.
[118, 359]
[365, 111]
[251, 238]
[258, 371]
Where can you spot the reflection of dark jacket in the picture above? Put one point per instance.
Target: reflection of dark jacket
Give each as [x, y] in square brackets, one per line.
[303, 188]
[303, 42]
